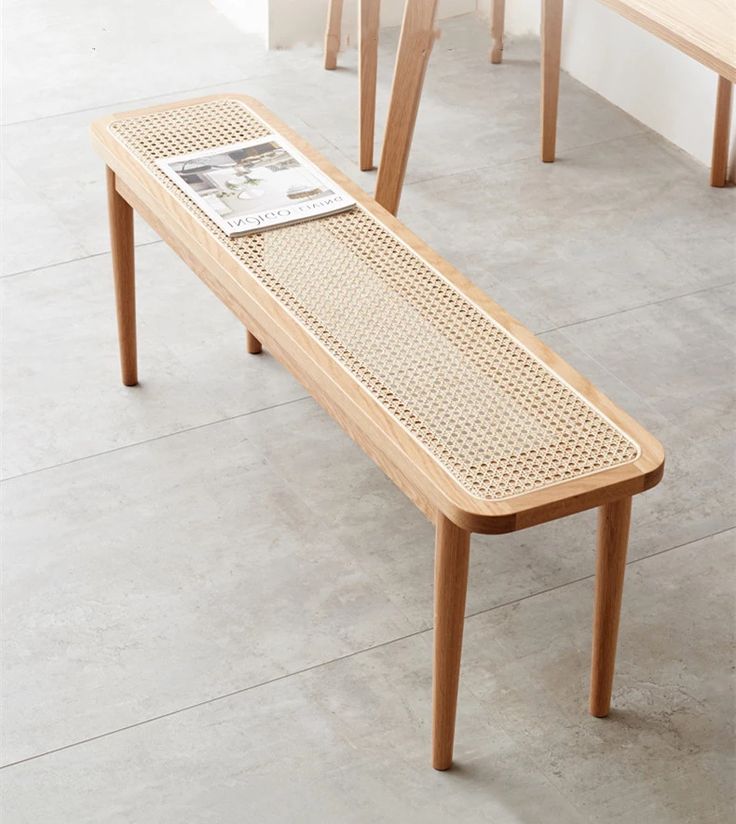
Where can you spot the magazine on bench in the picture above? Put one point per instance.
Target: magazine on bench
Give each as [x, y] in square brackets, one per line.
[255, 185]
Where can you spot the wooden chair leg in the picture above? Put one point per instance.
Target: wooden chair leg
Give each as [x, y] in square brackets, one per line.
[332, 33]
[415, 46]
[369, 21]
[120, 215]
[498, 10]
[613, 538]
[551, 48]
[721, 134]
[452, 552]
[254, 345]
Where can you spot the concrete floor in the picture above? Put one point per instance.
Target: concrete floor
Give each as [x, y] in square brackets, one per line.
[215, 607]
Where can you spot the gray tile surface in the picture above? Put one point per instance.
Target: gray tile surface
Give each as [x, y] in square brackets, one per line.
[54, 174]
[348, 741]
[541, 229]
[24, 206]
[62, 396]
[215, 607]
[191, 547]
[91, 54]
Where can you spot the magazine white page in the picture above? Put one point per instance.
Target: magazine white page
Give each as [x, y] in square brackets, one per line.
[255, 185]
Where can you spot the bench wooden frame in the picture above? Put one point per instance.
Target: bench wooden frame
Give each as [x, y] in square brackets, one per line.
[455, 513]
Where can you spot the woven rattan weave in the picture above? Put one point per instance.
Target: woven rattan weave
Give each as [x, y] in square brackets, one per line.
[498, 419]
[480, 424]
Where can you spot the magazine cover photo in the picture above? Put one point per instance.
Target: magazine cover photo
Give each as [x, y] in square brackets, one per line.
[255, 185]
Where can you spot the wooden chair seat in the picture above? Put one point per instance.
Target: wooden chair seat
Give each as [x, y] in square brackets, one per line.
[476, 420]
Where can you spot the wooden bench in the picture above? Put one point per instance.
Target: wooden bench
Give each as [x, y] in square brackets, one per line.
[478, 422]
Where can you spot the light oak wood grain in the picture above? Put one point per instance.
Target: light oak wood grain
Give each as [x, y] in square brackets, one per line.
[550, 66]
[120, 216]
[368, 66]
[415, 46]
[290, 354]
[498, 13]
[452, 554]
[332, 33]
[721, 134]
[365, 419]
[252, 343]
[613, 539]
[703, 29]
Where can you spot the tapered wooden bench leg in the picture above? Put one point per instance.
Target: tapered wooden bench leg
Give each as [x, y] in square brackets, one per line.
[120, 215]
[452, 552]
[551, 48]
[415, 45]
[369, 19]
[254, 345]
[498, 10]
[613, 539]
[332, 33]
[721, 134]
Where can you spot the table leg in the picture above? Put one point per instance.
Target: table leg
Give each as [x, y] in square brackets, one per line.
[415, 46]
[721, 134]
[252, 342]
[120, 215]
[332, 33]
[613, 539]
[498, 9]
[551, 47]
[369, 19]
[452, 552]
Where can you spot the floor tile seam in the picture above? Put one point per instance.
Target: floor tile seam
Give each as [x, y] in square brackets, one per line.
[154, 439]
[214, 699]
[657, 302]
[591, 576]
[526, 158]
[339, 659]
[305, 397]
[78, 259]
[132, 100]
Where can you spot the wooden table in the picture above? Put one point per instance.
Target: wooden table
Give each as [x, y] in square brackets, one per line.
[703, 29]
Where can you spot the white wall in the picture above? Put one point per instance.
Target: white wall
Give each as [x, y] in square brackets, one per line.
[286, 23]
[250, 16]
[303, 21]
[651, 80]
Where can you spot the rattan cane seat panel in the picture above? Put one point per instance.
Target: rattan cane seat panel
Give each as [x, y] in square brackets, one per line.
[498, 419]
